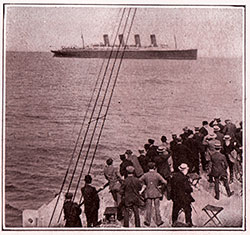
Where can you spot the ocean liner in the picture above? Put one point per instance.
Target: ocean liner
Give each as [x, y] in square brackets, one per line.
[136, 51]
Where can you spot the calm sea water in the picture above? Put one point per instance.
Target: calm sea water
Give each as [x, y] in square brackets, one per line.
[46, 99]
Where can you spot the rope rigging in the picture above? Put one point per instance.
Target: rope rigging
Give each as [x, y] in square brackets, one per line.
[99, 116]
[79, 135]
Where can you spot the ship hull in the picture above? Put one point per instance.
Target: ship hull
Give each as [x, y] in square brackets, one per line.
[190, 54]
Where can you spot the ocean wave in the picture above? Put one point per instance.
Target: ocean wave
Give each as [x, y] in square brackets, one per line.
[12, 208]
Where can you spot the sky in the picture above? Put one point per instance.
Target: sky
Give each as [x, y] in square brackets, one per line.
[214, 31]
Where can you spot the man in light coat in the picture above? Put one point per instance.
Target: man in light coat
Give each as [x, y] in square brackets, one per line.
[152, 180]
[114, 180]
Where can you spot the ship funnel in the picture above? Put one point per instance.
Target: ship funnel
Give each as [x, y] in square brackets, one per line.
[106, 40]
[121, 40]
[153, 40]
[137, 40]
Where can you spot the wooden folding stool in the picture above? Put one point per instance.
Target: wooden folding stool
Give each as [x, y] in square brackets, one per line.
[215, 210]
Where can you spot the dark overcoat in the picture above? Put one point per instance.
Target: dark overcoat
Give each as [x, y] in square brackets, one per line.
[123, 166]
[91, 198]
[181, 189]
[72, 214]
[219, 165]
[130, 190]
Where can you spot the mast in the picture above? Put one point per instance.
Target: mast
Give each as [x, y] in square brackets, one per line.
[175, 42]
[82, 39]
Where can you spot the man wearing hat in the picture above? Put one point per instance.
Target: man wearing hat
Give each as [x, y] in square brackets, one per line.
[152, 150]
[71, 211]
[180, 154]
[173, 142]
[209, 142]
[204, 128]
[162, 162]
[124, 164]
[114, 180]
[164, 143]
[130, 190]
[219, 135]
[229, 129]
[91, 202]
[229, 145]
[185, 134]
[219, 170]
[181, 195]
[152, 180]
[133, 158]
[143, 160]
[194, 147]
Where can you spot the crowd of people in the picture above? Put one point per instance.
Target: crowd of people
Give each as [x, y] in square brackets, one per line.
[165, 170]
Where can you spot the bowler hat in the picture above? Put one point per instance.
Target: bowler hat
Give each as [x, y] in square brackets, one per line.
[130, 169]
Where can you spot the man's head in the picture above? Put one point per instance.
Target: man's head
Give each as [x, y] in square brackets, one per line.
[146, 147]
[151, 165]
[178, 140]
[190, 133]
[141, 151]
[130, 170]
[227, 121]
[218, 120]
[128, 152]
[88, 179]
[205, 123]
[122, 157]
[174, 136]
[68, 195]
[109, 161]
[151, 141]
[217, 145]
[185, 129]
[163, 138]
[197, 129]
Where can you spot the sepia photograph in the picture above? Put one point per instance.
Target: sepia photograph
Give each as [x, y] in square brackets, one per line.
[123, 117]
